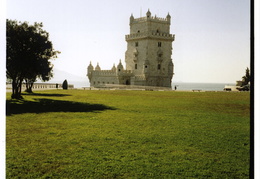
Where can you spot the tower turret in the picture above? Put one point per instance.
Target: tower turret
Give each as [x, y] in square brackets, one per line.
[120, 67]
[113, 68]
[90, 69]
[131, 18]
[168, 18]
[97, 67]
[148, 14]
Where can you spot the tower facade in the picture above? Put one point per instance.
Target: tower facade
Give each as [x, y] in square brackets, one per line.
[149, 50]
[148, 56]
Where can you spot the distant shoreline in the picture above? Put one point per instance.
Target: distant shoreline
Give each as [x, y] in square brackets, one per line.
[180, 86]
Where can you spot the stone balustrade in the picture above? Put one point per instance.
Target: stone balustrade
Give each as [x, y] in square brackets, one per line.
[104, 72]
[150, 34]
[151, 18]
[109, 72]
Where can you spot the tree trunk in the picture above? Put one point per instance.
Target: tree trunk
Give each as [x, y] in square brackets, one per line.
[17, 89]
[29, 85]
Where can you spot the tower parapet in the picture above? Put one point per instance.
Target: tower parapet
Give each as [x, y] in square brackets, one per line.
[151, 34]
[151, 18]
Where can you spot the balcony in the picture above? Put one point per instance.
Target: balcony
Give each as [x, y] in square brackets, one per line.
[144, 35]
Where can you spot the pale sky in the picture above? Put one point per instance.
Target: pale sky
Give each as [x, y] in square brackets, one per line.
[212, 37]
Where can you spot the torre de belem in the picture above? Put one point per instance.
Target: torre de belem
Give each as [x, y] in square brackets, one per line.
[148, 56]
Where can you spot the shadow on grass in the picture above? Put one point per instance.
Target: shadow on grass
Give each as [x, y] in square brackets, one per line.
[50, 105]
[44, 94]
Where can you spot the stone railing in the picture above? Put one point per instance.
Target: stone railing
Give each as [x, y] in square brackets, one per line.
[152, 18]
[149, 34]
[104, 72]
[110, 72]
[41, 86]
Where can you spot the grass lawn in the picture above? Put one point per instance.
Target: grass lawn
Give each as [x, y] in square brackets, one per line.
[128, 134]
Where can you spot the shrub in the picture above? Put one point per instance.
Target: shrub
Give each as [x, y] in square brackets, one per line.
[65, 85]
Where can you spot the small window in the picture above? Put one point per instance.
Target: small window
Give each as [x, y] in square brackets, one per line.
[136, 44]
[159, 66]
[145, 66]
[159, 44]
[135, 66]
[138, 31]
[160, 55]
[119, 69]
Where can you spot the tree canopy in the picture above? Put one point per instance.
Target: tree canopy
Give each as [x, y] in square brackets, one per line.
[246, 78]
[29, 51]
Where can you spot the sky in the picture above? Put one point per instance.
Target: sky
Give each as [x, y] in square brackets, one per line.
[212, 40]
[212, 37]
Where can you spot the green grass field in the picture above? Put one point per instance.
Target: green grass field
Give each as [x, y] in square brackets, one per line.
[128, 134]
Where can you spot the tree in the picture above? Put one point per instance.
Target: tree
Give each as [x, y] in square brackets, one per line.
[28, 53]
[65, 85]
[246, 78]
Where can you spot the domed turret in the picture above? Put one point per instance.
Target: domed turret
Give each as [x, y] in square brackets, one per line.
[120, 67]
[148, 14]
[97, 67]
[113, 68]
[131, 18]
[90, 67]
[168, 17]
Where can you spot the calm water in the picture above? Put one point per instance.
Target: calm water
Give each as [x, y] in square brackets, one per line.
[181, 86]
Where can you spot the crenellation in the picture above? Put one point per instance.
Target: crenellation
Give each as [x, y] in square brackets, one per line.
[152, 34]
[152, 18]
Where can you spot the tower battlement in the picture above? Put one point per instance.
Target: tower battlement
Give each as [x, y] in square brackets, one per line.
[152, 34]
[150, 18]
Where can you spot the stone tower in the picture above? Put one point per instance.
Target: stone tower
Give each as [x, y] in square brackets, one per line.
[149, 50]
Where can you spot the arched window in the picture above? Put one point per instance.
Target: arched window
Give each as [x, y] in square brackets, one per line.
[159, 66]
[135, 66]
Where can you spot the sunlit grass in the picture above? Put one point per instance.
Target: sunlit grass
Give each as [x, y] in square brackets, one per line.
[128, 134]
